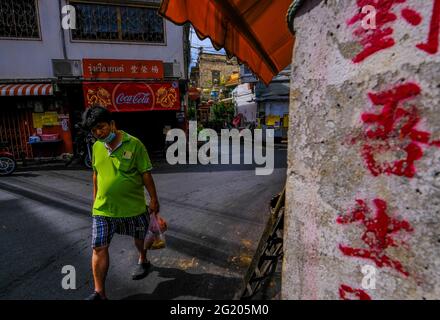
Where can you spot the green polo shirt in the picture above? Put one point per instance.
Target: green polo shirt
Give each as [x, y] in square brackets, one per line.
[119, 173]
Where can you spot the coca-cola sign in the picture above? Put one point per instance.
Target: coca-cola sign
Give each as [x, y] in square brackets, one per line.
[138, 98]
[133, 96]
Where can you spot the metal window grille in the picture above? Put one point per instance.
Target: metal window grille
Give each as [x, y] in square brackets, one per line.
[15, 129]
[99, 22]
[215, 77]
[19, 19]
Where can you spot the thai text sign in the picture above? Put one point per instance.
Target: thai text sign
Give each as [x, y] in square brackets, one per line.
[122, 69]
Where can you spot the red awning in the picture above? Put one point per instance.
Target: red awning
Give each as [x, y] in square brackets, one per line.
[36, 89]
[255, 31]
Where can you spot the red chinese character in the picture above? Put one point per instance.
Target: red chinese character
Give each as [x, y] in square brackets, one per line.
[411, 16]
[378, 236]
[393, 133]
[344, 290]
[380, 38]
[431, 46]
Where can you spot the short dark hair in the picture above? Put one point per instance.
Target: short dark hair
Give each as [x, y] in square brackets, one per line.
[94, 115]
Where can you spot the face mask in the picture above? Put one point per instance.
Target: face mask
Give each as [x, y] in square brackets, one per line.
[109, 138]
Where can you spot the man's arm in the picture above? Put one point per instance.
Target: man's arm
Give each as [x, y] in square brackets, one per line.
[95, 184]
[151, 188]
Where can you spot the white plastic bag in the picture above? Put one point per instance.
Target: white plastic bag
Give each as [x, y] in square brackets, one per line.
[155, 239]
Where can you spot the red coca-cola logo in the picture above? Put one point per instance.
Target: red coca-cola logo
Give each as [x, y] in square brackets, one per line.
[138, 98]
[133, 95]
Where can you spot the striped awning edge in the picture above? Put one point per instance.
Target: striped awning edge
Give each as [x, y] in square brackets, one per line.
[22, 89]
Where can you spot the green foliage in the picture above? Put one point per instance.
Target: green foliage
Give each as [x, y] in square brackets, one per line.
[200, 127]
[222, 81]
[217, 125]
[221, 112]
[191, 113]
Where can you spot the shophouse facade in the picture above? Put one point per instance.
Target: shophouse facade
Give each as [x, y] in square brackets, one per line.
[121, 55]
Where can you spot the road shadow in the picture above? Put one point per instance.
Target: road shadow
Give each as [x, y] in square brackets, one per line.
[48, 167]
[161, 166]
[180, 283]
[25, 174]
[33, 252]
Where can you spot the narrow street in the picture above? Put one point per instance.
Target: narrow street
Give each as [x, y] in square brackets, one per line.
[330, 111]
[215, 213]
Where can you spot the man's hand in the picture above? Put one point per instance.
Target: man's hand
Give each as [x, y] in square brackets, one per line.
[151, 188]
[154, 206]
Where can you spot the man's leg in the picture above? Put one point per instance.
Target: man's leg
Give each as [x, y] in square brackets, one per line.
[143, 265]
[102, 234]
[100, 265]
[139, 243]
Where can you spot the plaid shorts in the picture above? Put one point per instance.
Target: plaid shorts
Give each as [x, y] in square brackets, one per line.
[104, 228]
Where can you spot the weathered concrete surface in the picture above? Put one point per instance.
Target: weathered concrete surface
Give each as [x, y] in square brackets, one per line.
[328, 150]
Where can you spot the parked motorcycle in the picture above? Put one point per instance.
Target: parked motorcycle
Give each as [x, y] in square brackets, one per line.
[7, 160]
[89, 140]
[83, 143]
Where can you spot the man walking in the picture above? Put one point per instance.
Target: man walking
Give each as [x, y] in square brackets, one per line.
[121, 170]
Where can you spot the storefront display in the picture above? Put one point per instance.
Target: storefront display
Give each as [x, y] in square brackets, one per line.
[34, 122]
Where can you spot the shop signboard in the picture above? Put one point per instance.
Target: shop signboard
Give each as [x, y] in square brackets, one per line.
[45, 119]
[133, 96]
[122, 69]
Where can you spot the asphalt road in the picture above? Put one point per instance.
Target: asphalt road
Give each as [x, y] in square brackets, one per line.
[216, 214]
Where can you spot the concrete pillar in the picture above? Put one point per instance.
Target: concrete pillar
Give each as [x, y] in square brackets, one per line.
[363, 188]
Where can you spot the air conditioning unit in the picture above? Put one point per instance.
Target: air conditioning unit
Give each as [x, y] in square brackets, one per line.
[172, 70]
[66, 68]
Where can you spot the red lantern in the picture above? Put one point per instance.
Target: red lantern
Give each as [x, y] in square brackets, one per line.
[193, 94]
